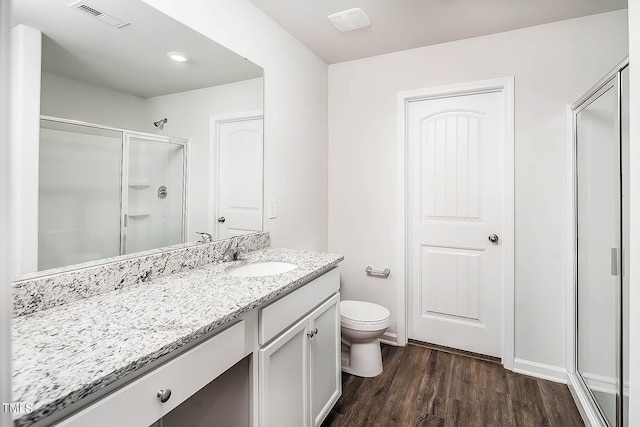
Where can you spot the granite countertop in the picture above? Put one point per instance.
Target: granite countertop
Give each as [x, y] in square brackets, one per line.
[62, 354]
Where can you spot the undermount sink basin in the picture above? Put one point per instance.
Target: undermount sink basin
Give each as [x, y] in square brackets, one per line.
[260, 269]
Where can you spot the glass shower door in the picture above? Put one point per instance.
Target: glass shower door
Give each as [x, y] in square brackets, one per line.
[624, 137]
[598, 248]
[154, 207]
[79, 193]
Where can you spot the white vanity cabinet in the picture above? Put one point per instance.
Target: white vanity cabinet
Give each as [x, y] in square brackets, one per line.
[299, 370]
[294, 371]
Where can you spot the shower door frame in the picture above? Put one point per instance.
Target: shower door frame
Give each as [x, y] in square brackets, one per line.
[582, 395]
[124, 178]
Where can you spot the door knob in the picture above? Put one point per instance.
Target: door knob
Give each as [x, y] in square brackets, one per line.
[221, 219]
[493, 238]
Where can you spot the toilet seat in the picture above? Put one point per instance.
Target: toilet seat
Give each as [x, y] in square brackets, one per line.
[363, 316]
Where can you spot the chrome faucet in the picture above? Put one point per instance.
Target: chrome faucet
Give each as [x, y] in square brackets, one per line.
[206, 237]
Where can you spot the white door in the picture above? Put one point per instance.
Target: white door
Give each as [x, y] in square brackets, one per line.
[455, 206]
[240, 177]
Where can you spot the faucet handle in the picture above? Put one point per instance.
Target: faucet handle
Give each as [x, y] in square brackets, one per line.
[206, 237]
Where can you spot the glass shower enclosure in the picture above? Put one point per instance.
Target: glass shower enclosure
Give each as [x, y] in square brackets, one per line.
[601, 145]
[105, 192]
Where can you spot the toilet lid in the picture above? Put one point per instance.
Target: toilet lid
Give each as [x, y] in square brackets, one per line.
[361, 314]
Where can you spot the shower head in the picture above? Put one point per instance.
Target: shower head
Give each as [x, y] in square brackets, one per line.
[160, 123]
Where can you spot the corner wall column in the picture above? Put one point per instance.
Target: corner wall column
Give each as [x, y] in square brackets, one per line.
[26, 60]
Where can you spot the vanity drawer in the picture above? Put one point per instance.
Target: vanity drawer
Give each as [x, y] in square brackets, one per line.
[137, 404]
[278, 316]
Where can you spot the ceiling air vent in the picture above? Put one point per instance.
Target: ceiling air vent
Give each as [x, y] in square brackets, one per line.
[111, 20]
[351, 19]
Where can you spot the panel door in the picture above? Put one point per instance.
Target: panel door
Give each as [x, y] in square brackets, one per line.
[240, 178]
[326, 372]
[455, 198]
[284, 379]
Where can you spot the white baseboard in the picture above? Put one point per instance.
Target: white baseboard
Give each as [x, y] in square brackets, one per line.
[540, 370]
[389, 338]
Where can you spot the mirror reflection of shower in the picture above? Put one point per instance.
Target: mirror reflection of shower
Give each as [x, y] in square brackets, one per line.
[160, 123]
[103, 192]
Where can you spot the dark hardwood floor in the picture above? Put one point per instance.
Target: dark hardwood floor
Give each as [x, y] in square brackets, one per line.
[422, 386]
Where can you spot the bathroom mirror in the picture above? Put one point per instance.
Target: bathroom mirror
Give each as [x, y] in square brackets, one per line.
[135, 150]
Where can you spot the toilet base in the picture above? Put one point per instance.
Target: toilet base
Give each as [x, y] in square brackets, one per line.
[362, 359]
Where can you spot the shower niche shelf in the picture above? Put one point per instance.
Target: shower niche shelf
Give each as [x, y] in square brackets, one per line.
[139, 185]
[139, 214]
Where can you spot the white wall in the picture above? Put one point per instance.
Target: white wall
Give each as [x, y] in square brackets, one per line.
[634, 262]
[188, 115]
[295, 112]
[553, 66]
[71, 99]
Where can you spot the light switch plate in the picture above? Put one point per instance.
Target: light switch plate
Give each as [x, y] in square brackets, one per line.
[273, 209]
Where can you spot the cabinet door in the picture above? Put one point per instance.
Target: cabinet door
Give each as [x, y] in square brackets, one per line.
[326, 380]
[284, 373]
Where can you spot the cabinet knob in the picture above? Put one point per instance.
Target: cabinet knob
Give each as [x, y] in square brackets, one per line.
[312, 332]
[164, 395]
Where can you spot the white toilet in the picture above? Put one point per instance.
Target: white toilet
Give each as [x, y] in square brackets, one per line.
[362, 324]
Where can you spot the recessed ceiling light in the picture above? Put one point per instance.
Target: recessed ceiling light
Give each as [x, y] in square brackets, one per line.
[351, 19]
[178, 56]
